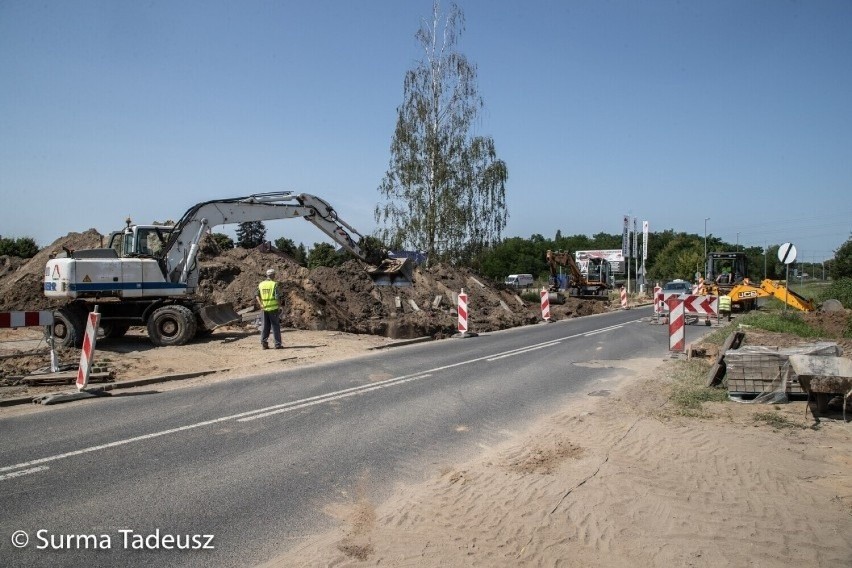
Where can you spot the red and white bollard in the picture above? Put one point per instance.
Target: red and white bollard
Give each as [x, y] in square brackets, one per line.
[462, 309]
[677, 339]
[545, 305]
[88, 351]
[623, 298]
[463, 315]
[658, 300]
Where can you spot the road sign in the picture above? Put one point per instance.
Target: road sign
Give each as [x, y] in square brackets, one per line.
[787, 253]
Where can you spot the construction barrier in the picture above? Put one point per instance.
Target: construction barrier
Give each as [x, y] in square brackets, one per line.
[26, 319]
[701, 306]
[43, 318]
[88, 351]
[545, 305]
[623, 298]
[658, 300]
[676, 324]
[462, 309]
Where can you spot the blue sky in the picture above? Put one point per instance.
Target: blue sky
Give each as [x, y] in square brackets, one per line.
[670, 112]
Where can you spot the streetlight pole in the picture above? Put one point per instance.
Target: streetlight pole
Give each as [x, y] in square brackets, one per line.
[705, 246]
[738, 241]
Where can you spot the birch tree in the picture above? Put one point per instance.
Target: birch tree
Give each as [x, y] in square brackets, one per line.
[445, 189]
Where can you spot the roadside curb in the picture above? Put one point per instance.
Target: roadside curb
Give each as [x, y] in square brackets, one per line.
[402, 343]
[106, 387]
[102, 388]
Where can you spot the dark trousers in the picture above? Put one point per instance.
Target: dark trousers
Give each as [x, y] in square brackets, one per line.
[271, 321]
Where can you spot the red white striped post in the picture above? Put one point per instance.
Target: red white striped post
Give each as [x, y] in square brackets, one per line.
[658, 301]
[623, 298]
[86, 354]
[677, 338]
[545, 305]
[462, 309]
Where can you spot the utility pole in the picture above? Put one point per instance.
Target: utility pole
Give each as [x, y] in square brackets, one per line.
[705, 246]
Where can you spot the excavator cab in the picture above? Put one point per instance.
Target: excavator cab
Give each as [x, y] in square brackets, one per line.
[724, 270]
[140, 240]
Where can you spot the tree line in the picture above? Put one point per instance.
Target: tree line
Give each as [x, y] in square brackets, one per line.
[670, 254]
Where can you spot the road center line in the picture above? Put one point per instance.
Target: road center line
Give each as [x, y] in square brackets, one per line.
[284, 407]
[23, 472]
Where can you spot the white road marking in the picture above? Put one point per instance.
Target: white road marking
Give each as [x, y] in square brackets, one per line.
[281, 408]
[23, 472]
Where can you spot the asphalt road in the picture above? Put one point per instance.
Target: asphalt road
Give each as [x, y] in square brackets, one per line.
[116, 481]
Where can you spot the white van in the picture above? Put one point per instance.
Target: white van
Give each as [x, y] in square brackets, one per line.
[519, 280]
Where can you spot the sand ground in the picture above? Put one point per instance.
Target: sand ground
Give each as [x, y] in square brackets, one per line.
[620, 478]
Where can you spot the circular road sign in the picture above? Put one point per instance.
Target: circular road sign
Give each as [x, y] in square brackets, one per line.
[787, 253]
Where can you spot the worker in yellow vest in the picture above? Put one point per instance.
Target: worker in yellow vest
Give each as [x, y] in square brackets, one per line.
[725, 306]
[269, 299]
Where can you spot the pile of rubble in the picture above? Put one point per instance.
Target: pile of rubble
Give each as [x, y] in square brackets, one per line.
[342, 298]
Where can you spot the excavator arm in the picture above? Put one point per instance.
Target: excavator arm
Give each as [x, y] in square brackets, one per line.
[566, 259]
[580, 285]
[744, 295]
[180, 251]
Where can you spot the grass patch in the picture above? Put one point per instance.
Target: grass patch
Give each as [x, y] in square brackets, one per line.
[775, 420]
[791, 323]
[688, 392]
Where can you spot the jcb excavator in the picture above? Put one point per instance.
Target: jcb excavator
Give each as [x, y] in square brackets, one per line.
[148, 275]
[727, 274]
[595, 286]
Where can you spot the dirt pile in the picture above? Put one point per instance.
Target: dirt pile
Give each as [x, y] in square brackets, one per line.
[21, 281]
[343, 298]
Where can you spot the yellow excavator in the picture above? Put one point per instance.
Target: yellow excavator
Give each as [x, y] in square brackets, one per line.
[727, 275]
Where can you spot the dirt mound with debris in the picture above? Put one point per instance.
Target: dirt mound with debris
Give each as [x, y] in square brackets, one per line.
[345, 298]
[22, 281]
[342, 298]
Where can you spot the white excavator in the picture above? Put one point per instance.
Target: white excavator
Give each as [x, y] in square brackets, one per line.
[148, 275]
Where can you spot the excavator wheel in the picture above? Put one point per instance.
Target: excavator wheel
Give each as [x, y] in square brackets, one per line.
[114, 330]
[68, 327]
[171, 325]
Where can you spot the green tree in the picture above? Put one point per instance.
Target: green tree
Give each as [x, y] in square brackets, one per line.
[323, 254]
[223, 241]
[288, 247]
[681, 257]
[373, 248]
[841, 266]
[516, 256]
[445, 189]
[251, 234]
[22, 247]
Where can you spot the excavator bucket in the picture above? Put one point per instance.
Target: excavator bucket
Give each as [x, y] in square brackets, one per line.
[392, 272]
[219, 314]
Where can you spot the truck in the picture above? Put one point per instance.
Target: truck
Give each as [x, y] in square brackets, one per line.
[148, 274]
[594, 285]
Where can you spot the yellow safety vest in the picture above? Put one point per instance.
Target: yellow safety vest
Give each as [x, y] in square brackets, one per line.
[724, 303]
[268, 297]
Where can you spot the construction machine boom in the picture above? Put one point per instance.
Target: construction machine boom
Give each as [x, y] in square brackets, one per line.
[745, 295]
[595, 285]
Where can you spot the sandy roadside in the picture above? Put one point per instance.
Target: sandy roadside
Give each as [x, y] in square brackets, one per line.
[619, 480]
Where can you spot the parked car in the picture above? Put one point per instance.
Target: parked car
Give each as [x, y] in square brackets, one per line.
[677, 287]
